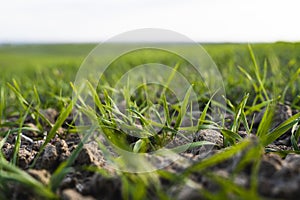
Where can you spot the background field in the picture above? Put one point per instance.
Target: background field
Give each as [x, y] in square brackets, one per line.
[51, 67]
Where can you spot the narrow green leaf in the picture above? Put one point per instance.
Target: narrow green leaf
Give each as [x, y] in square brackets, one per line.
[280, 130]
[11, 172]
[183, 108]
[257, 74]
[266, 121]
[167, 84]
[60, 120]
[2, 103]
[166, 110]
[219, 157]
[18, 140]
[64, 167]
[96, 99]
[191, 145]
[138, 145]
[204, 112]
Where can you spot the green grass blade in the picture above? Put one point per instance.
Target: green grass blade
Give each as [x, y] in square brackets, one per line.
[11, 172]
[191, 145]
[258, 107]
[254, 85]
[60, 120]
[230, 137]
[37, 96]
[2, 103]
[257, 73]
[167, 84]
[239, 114]
[204, 112]
[64, 167]
[2, 142]
[139, 146]
[18, 140]
[266, 121]
[231, 189]
[280, 130]
[166, 110]
[20, 97]
[183, 108]
[96, 99]
[217, 158]
[25, 103]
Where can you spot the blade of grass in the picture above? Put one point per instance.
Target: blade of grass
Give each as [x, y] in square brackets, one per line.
[20, 97]
[239, 114]
[204, 112]
[166, 86]
[292, 80]
[257, 74]
[60, 120]
[2, 142]
[37, 96]
[295, 137]
[217, 158]
[139, 145]
[191, 145]
[96, 99]
[266, 121]
[18, 140]
[2, 103]
[64, 167]
[249, 77]
[229, 187]
[230, 137]
[11, 172]
[280, 130]
[183, 108]
[26, 105]
[166, 110]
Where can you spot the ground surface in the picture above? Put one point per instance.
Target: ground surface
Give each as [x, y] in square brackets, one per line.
[239, 165]
[278, 175]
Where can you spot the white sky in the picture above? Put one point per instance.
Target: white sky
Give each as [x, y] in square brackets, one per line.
[200, 20]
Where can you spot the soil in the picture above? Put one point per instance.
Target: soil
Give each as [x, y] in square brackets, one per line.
[279, 175]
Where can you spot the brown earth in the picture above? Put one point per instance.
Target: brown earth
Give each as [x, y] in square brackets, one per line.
[278, 176]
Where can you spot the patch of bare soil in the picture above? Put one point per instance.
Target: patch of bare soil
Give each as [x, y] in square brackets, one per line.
[278, 176]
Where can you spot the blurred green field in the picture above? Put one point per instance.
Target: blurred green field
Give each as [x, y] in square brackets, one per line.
[51, 67]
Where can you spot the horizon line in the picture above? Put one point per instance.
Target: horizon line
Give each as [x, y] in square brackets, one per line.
[128, 42]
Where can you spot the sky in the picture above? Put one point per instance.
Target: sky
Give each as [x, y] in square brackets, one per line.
[34, 21]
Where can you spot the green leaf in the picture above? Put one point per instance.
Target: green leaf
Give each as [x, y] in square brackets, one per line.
[140, 144]
[18, 140]
[183, 108]
[257, 74]
[266, 121]
[219, 157]
[191, 145]
[60, 120]
[64, 167]
[280, 130]
[10, 172]
[204, 112]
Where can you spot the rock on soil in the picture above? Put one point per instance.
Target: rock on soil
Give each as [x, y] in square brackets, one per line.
[90, 155]
[41, 175]
[70, 194]
[53, 154]
[212, 136]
